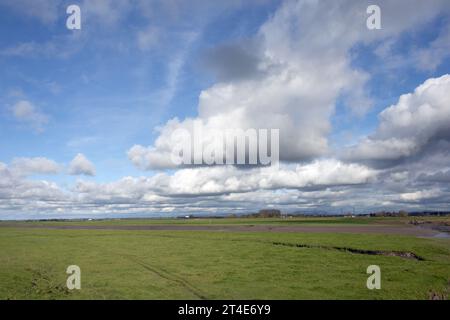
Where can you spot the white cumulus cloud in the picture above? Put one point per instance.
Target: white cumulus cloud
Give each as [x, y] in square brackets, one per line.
[38, 165]
[417, 121]
[303, 66]
[80, 165]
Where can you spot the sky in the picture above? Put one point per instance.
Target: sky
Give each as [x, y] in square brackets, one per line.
[88, 116]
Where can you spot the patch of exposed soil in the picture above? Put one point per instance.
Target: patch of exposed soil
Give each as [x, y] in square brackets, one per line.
[402, 254]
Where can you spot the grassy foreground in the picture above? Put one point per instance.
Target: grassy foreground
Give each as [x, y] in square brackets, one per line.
[117, 264]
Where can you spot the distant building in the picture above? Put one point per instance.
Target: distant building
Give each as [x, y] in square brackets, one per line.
[186, 217]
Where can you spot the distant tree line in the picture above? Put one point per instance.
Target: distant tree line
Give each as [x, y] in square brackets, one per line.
[265, 213]
[403, 213]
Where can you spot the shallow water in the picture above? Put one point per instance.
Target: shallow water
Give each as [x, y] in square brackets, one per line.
[442, 235]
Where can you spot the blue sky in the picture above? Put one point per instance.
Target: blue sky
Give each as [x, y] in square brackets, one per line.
[135, 65]
[105, 95]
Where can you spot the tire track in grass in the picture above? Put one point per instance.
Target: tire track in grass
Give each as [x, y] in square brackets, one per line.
[168, 276]
[164, 274]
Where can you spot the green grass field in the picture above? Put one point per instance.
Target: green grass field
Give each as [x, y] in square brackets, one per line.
[119, 264]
